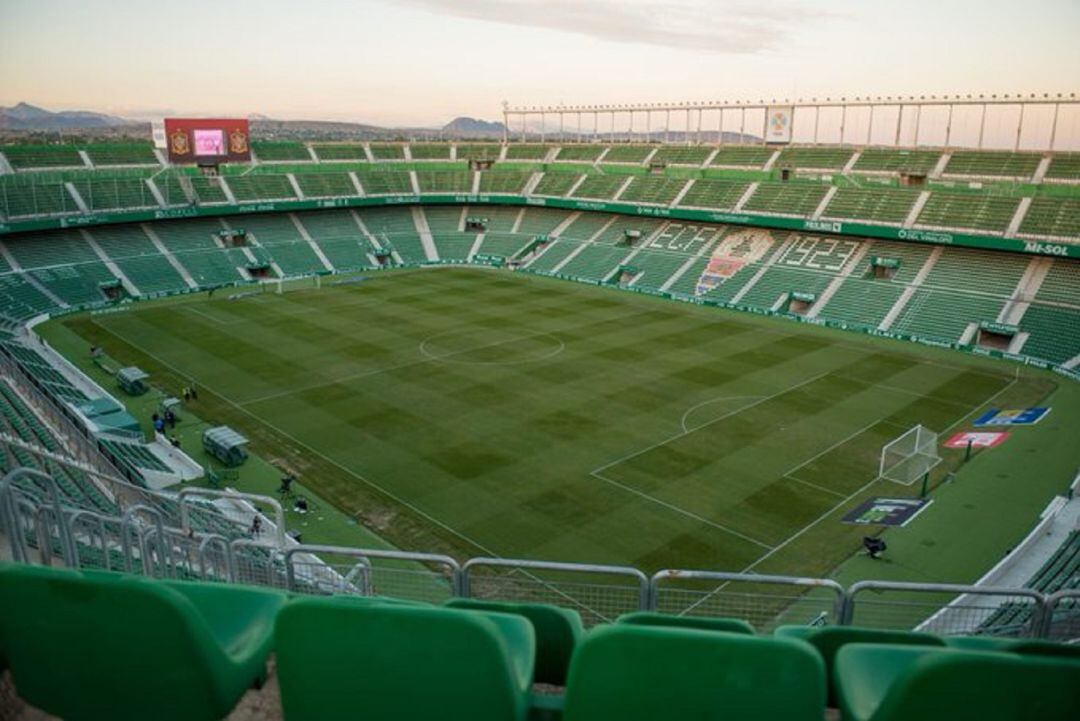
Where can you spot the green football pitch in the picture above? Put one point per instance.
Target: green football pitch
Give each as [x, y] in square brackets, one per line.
[481, 412]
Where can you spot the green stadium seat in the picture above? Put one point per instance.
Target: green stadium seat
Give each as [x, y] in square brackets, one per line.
[1022, 646]
[828, 640]
[558, 631]
[900, 683]
[752, 156]
[624, 672]
[704, 623]
[556, 184]
[579, 153]
[104, 646]
[338, 659]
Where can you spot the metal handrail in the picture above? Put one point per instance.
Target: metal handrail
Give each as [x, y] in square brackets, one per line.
[724, 577]
[627, 571]
[958, 589]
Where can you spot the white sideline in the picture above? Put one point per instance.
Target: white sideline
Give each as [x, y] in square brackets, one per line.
[846, 500]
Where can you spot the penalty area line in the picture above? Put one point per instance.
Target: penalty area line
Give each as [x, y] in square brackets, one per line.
[682, 511]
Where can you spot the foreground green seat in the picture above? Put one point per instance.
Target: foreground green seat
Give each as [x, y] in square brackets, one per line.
[123, 647]
[881, 682]
[341, 660]
[827, 640]
[650, 618]
[1023, 646]
[626, 672]
[558, 631]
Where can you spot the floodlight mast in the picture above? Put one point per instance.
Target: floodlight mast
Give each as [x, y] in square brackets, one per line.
[906, 109]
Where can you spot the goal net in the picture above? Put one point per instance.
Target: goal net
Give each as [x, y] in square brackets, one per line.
[910, 457]
[284, 285]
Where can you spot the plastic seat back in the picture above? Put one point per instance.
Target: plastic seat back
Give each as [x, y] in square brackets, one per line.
[626, 672]
[558, 631]
[704, 623]
[882, 682]
[110, 648]
[341, 660]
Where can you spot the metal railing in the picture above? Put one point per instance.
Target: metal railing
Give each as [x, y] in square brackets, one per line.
[147, 541]
[765, 601]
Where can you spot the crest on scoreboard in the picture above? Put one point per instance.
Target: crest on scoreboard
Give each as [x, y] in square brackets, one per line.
[238, 142]
[179, 143]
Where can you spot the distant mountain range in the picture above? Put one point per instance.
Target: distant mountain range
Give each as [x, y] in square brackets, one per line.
[25, 119]
[30, 117]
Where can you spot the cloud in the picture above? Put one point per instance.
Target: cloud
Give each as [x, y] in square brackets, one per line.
[704, 25]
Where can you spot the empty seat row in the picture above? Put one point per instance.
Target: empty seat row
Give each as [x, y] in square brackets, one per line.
[69, 638]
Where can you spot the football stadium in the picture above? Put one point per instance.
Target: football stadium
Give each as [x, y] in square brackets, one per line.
[758, 408]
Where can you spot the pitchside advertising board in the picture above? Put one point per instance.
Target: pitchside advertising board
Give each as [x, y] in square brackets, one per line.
[206, 141]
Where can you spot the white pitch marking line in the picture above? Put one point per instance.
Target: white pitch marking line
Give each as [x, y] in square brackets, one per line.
[691, 409]
[677, 509]
[813, 485]
[763, 399]
[349, 471]
[209, 317]
[428, 358]
[840, 504]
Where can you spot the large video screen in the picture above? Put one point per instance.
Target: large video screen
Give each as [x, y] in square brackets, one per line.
[207, 141]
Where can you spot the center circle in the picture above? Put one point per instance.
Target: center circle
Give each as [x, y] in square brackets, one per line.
[490, 346]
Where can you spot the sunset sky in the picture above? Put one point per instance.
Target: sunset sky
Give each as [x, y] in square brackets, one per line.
[423, 62]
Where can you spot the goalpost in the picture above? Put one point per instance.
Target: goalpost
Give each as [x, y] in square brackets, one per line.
[910, 457]
[279, 286]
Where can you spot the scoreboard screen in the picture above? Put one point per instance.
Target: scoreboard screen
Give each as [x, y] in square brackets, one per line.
[207, 141]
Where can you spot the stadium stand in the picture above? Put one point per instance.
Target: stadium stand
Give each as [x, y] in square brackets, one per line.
[29, 196]
[919, 162]
[991, 163]
[384, 182]
[526, 151]
[325, 185]
[344, 151]
[396, 229]
[260, 187]
[1060, 283]
[478, 151]
[1052, 216]
[717, 194]
[600, 187]
[628, 153]
[1055, 333]
[504, 181]
[786, 198]
[122, 154]
[968, 210]
[429, 151]
[652, 190]
[27, 157]
[208, 190]
[444, 181]
[884, 206]
[555, 184]
[114, 193]
[682, 154]
[814, 158]
[453, 244]
[339, 237]
[1064, 167]
[580, 153]
[386, 151]
[271, 152]
[748, 156]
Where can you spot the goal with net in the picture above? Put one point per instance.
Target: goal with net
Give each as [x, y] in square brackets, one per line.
[910, 457]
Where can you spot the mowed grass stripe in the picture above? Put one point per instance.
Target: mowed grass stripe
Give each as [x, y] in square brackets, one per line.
[733, 471]
[500, 454]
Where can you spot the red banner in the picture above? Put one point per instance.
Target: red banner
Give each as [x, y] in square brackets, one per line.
[207, 141]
